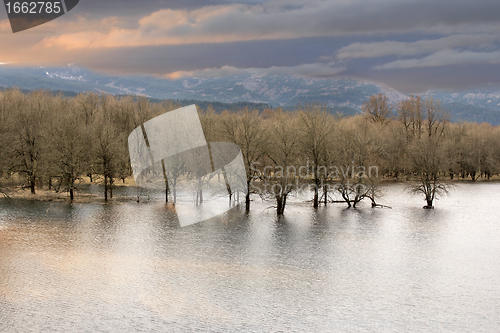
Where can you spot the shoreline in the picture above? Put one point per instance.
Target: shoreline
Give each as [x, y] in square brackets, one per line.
[45, 195]
[51, 196]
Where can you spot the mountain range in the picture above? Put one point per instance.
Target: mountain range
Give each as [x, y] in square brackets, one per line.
[344, 94]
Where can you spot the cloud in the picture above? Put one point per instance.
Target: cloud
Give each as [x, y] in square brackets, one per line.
[310, 70]
[285, 19]
[208, 72]
[393, 48]
[213, 24]
[445, 58]
[222, 37]
[5, 26]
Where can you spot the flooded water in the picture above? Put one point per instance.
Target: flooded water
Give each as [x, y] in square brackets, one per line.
[129, 267]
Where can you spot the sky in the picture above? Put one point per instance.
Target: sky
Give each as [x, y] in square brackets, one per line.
[411, 45]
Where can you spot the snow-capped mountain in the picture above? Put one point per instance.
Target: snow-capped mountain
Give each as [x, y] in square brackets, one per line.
[256, 87]
[346, 94]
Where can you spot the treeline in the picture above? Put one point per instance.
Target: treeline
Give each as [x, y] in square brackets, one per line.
[47, 138]
[54, 141]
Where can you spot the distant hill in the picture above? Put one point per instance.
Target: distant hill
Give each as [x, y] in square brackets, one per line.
[487, 97]
[254, 89]
[467, 112]
[217, 106]
[479, 105]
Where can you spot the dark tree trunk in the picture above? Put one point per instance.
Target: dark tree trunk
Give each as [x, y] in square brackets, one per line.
[247, 201]
[429, 203]
[174, 192]
[199, 197]
[345, 197]
[280, 205]
[166, 191]
[105, 188]
[32, 185]
[166, 180]
[110, 187]
[71, 194]
[325, 193]
[316, 193]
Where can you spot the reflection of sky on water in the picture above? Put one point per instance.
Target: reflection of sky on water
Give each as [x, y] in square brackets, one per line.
[128, 266]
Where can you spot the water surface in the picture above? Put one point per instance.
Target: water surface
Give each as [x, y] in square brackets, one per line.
[129, 267]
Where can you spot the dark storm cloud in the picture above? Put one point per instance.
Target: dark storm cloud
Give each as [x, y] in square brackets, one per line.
[398, 48]
[171, 58]
[287, 19]
[420, 80]
[377, 39]
[137, 7]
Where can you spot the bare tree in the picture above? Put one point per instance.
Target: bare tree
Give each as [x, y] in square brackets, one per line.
[44, 136]
[316, 126]
[411, 115]
[109, 145]
[393, 147]
[377, 109]
[354, 156]
[435, 119]
[283, 153]
[426, 157]
[29, 131]
[245, 129]
[68, 143]
[427, 153]
[471, 150]
[10, 100]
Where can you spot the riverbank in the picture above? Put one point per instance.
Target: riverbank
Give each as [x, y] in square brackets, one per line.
[44, 194]
[16, 191]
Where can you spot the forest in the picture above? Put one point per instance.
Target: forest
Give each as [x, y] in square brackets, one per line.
[54, 142]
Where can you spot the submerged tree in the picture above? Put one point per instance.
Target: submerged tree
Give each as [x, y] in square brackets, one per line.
[315, 130]
[109, 145]
[245, 129]
[283, 153]
[354, 154]
[44, 136]
[426, 151]
[426, 157]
